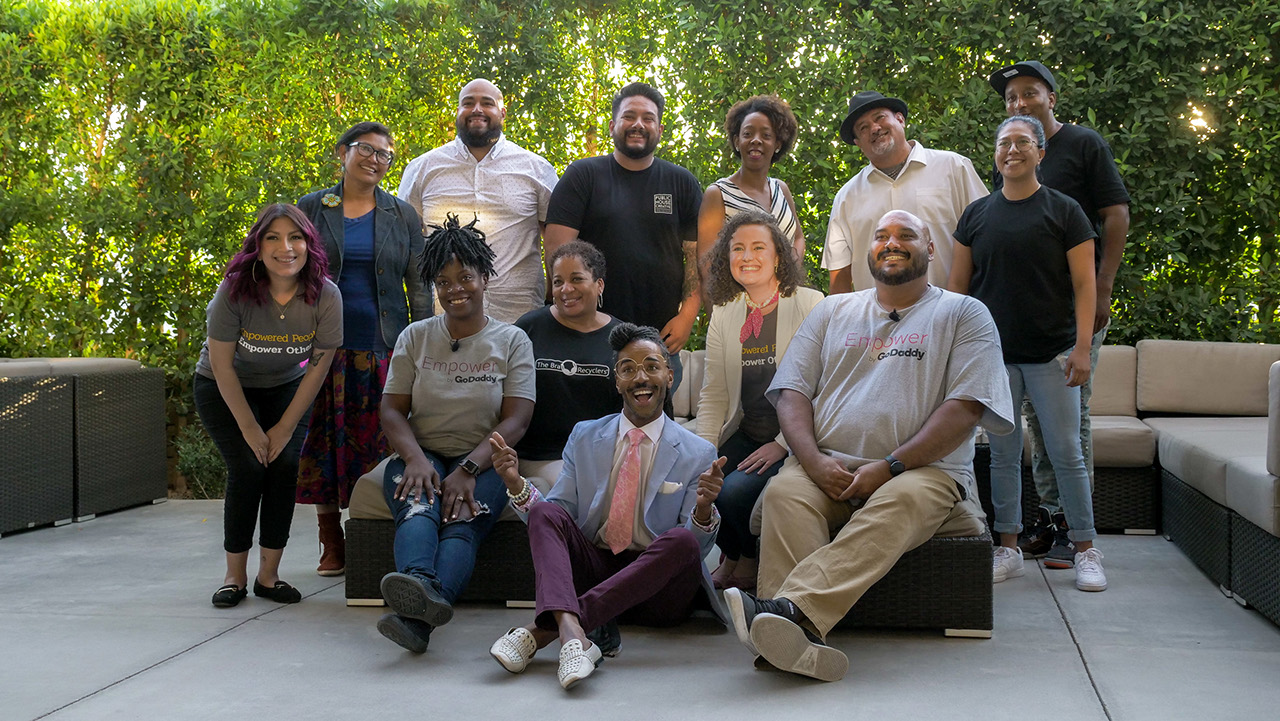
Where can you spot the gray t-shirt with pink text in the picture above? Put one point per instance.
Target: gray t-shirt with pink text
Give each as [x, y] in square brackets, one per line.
[874, 382]
[456, 396]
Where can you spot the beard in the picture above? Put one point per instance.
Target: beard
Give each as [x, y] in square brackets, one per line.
[478, 139]
[620, 143]
[919, 267]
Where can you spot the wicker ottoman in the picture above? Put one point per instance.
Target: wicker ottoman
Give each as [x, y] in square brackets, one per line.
[945, 583]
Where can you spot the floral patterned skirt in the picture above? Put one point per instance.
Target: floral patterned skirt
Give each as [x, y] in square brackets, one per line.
[345, 438]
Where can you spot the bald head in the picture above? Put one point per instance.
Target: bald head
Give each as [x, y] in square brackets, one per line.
[481, 88]
[901, 249]
[480, 115]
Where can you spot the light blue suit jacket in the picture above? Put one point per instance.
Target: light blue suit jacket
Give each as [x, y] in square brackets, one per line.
[680, 458]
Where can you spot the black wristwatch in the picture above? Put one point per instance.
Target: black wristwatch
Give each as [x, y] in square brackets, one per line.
[896, 467]
[473, 468]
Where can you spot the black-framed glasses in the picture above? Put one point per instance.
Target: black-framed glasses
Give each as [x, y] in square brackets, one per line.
[628, 369]
[386, 157]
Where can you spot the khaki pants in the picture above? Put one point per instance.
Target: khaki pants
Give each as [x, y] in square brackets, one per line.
[825, 576]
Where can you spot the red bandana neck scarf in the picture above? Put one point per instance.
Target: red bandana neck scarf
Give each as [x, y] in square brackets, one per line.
[755, 318]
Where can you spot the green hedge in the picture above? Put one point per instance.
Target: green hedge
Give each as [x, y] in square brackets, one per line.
[137, 137]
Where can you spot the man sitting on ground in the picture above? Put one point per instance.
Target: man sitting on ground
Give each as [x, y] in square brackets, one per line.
[877, 397]
[630, 519]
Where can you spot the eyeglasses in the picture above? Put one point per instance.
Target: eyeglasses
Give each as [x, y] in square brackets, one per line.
[627, 370]
[1023, 144]
[386, 157]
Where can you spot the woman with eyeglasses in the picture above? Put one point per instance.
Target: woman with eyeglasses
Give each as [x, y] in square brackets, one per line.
[373, 241]
[756, 284]
[1026, 252]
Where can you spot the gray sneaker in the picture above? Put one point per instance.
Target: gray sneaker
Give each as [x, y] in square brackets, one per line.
[1063, 554]
[1037, 537]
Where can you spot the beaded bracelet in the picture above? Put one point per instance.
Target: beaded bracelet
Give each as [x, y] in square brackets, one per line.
[524, 494]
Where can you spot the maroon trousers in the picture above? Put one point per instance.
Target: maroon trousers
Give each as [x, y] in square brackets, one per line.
[653, 587]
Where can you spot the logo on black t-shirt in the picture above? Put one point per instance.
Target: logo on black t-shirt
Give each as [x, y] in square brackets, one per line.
[570, 368]
[662, 203]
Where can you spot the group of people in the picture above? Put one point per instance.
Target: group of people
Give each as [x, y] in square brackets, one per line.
[832, 436]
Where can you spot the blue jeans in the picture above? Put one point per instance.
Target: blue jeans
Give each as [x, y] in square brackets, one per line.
[445, 553]
[1058, 408]
[738, 497]
[1041, 466]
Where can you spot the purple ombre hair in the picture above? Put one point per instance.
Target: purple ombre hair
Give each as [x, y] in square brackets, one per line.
[243, 282]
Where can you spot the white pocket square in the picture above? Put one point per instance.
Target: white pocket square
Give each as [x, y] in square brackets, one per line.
[669, 487]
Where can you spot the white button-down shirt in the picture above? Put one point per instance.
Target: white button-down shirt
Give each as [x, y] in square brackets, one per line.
[508, 191]
[935, 186]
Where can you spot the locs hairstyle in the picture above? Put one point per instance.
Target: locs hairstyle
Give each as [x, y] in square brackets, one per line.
[722, 287]
[446, 242]
[244, 282]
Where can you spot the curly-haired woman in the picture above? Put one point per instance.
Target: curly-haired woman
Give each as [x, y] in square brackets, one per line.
[755, 284]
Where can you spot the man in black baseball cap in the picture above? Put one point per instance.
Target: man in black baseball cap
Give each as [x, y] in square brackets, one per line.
[1078, 163]
[934, 185]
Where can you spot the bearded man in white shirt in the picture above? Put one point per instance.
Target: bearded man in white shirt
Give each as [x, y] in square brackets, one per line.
[504, 186]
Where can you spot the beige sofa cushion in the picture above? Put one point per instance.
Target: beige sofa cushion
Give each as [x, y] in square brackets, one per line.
[1118, 442]
[1115, 386]
[1254, 493]
[1273, 422]
[1197, 450]
[18, 367]
[1200, 377]
[684, 402]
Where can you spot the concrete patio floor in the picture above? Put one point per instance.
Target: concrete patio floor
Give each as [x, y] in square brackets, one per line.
[110, 619]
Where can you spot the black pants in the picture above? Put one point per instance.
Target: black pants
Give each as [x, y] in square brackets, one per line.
[253, 489]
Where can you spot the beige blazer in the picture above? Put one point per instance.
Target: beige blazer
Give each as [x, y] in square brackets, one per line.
[720, 405]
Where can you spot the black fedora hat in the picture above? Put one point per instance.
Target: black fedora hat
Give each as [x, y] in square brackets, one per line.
[1029, 68]
[861, 103]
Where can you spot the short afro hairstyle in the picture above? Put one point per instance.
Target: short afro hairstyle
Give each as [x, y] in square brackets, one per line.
[590, 256]
[772, 107]
[624, 334]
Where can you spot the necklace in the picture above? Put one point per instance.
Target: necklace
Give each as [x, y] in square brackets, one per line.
[279, 307]
[755, 318]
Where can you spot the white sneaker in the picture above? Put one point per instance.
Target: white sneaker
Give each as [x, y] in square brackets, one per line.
[1006, 563]
[1089, 573]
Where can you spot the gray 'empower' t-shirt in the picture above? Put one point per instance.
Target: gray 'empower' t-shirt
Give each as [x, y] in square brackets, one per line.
[456, 396]
[271, 349]
[874, 382]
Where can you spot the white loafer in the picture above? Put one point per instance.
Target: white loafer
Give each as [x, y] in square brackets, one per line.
[514, 650]
[577, 663]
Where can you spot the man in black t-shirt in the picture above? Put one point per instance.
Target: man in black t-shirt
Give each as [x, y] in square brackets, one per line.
[642, 213]
[1078, 163]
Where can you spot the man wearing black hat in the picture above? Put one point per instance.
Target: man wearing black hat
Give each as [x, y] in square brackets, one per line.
[1078, 163]
[934, 185]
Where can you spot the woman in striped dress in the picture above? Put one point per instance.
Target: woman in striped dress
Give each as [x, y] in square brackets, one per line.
[761, 129]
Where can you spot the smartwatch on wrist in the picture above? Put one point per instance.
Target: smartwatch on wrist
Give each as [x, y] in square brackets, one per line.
[470, 466]
[896, 467]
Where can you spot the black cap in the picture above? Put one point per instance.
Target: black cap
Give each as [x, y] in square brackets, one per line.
[1030, 69]
[861, 103]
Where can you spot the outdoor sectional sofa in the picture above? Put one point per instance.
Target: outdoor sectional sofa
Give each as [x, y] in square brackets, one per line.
[80, 436]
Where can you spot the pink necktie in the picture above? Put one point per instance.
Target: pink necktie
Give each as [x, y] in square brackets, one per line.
[622, 510]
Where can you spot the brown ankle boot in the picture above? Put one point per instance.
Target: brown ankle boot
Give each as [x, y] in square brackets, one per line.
[333, 557]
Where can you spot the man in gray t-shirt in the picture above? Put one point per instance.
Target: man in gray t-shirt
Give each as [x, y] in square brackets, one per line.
[877, 397]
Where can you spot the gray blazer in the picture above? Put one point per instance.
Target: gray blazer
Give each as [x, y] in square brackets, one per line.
[397, 251]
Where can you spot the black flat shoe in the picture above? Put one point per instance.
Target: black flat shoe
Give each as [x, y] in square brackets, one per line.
[280, 593]
[229, 595]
